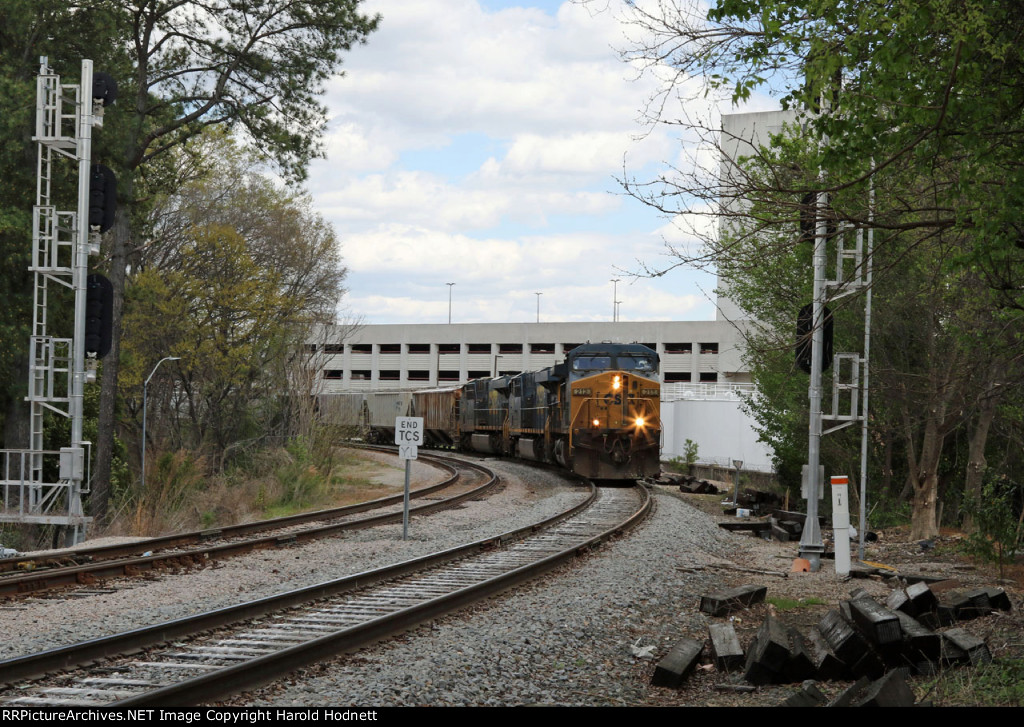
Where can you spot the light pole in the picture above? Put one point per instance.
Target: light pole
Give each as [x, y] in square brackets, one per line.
[449, 301]
[538, 305]
[145, 388]
[615, 299]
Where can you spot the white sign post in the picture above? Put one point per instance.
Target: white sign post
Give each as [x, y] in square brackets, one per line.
[841, 523]
[408, 437]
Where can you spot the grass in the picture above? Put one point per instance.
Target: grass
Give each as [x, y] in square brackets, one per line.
[275, 483]
[790, 604]
[999, 684]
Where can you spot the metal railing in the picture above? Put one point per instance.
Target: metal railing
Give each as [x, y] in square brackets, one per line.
[676, 391]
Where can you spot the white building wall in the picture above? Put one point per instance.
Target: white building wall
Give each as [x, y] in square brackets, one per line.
[722, 430]
[712, 348]
[741, 135]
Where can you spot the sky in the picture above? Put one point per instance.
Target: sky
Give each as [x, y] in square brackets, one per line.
[480, 143]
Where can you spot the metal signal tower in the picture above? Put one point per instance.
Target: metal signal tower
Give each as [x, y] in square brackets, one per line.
[65, 115]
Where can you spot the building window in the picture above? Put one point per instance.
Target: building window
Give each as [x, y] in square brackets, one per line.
[389, 375]
[566, 347]
[478, 347]
[652, 346]
[361, 375]
[311, 347]
[708, 377]
[390, 348]
[479, 374]
[510, 348]
[418, 375]
[676, 377]
[449, 348]
[709, 348]
[447, 375]
[419, 348]
[335, 374]
[542, 348]
[362, 348]
[678, 348]
[503, 372]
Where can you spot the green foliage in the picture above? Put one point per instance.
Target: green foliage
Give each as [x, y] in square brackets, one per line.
[690, 451]
[998, 684]
[790, 604]
[305, 479]
[220, 313]
[906, 119]
[887, 512]
[998, 535]
[171, 484]
[238, 270]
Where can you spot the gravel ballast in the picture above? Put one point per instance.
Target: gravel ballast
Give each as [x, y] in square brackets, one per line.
[586, 634]
[567, 639]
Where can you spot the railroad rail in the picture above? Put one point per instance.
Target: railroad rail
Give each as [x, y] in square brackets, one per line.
[88, 565]
[274, 636]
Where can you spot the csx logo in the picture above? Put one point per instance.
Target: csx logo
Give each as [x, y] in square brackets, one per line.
[610, 398]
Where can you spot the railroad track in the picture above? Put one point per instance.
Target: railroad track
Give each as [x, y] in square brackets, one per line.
[252, 644]
[29, 576]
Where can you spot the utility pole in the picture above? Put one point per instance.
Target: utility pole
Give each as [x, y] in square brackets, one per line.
[449, 301]
[615, 299]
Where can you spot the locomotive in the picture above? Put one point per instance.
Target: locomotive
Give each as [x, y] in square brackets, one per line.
[597, 413]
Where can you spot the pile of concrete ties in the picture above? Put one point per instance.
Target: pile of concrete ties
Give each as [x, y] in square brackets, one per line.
[872, 644]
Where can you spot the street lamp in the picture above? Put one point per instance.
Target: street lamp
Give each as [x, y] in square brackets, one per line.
[145, 387]
[615, 299]
[449, 301]
[538, 305]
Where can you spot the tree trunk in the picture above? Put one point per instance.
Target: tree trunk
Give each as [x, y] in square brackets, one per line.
[923, 524]
[100, 498]
[976, 462]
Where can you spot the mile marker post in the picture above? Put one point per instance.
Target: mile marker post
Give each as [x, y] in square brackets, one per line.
[408, 437]
[841, 523]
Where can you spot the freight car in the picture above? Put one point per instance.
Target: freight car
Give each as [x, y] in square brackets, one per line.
[597, 413]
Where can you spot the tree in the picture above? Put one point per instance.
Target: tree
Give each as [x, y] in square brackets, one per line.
[237, 273]
[256, 65]
[916, 106]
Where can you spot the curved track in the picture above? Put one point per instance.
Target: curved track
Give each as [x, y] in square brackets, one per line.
[274, 636]
[86, 566]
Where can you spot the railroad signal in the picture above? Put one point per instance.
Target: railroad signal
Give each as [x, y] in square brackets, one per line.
[104, 88]
[99, 314]
[102, 197]
[804, 331]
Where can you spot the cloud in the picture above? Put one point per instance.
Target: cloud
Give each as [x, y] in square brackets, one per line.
[482, 147]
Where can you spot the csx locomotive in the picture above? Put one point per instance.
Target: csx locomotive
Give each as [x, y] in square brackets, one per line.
[597, 413]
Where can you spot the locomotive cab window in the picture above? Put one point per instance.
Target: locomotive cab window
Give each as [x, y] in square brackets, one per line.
[591, 363]
[636, 363]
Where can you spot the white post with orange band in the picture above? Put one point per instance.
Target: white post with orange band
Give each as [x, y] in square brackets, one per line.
[841, 523]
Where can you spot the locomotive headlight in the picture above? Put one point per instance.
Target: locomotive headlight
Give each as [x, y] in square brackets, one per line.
[617, 383]
[596, 422]
[639, 422]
